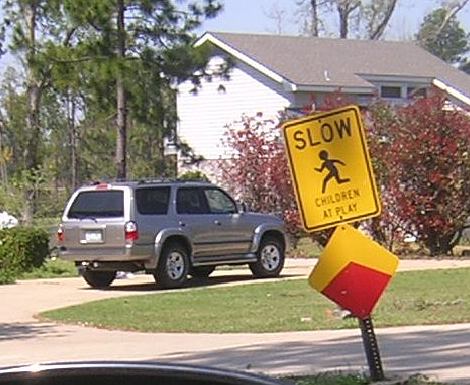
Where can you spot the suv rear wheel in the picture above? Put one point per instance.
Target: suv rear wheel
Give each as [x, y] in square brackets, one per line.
[270, 258]
[173, 267]
[99, 279]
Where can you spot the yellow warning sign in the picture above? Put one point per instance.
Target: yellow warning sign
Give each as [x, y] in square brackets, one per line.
[331, 169]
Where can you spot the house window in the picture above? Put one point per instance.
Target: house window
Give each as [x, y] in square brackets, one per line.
[390, 92]
[414, 92]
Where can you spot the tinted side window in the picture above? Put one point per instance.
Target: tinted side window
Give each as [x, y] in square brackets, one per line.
[219, 202]
[189, 201]
[152, 200]
[98, 204]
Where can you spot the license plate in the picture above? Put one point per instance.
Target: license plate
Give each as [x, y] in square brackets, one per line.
[94, 236]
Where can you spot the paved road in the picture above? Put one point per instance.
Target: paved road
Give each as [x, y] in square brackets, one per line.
[441, 351]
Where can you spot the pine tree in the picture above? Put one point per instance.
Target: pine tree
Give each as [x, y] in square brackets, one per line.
[443, 36]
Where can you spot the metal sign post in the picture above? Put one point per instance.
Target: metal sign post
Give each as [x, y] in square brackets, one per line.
[371, 349]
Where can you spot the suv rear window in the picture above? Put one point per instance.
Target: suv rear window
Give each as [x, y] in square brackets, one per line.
[97, 204]
[153, 200]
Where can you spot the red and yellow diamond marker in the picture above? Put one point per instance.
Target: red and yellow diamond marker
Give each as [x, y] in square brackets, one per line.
[353, 271]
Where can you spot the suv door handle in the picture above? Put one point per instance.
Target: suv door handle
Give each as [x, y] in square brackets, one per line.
[181, 223]
[217, 222]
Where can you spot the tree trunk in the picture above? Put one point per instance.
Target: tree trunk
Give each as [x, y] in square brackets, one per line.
[314, 5]
[345, 9]
[33, 125]
[3, 156]
[121, 100]
[33, 90]
[33, 95]
[343, 22]
[73, 141]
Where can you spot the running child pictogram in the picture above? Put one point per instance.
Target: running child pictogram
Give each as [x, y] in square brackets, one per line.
[333, 172]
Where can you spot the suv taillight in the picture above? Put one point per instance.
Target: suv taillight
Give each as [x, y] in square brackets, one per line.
[60, 234]
[130, 231]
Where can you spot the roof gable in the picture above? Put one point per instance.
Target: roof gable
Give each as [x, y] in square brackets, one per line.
[306, 61]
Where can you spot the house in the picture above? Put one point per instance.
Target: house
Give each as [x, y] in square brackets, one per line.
[272, 73]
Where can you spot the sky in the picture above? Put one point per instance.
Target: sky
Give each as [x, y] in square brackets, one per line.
[250, 16]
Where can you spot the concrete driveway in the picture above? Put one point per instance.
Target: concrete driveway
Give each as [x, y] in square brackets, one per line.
[441, 351]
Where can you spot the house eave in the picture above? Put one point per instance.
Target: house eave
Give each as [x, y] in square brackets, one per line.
[451, 91]
[335, 87]
[424, 80]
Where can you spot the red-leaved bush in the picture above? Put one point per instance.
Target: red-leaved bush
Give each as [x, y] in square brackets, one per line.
[421, 159]
[257, 169]
[421, 154]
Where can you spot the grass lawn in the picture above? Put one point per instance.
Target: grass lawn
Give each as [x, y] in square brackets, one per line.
[329, 378]
[413, 298]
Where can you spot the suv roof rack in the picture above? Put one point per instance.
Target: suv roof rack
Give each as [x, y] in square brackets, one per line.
[172, 180]
[148, 181]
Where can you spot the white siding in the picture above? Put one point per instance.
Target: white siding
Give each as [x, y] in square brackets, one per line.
[203, 117]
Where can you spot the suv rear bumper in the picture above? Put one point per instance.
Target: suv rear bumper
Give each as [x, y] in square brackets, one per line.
[122, 254]
[129, 266]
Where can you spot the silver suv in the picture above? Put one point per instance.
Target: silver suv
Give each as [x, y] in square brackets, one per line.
[170, 229]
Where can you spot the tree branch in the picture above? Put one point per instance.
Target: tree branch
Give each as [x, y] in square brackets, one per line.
[68, 36]
[380, 29]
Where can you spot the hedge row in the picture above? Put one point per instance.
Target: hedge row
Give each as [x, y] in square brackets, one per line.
[21, 249]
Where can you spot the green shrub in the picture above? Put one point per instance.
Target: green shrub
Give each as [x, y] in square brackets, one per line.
[52, 268]
[194, 175]
[21, 250]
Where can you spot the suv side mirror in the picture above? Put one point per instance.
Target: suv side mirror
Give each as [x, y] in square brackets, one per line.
[242, 207]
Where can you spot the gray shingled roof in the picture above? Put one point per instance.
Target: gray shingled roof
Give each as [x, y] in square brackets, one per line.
[304, 60]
